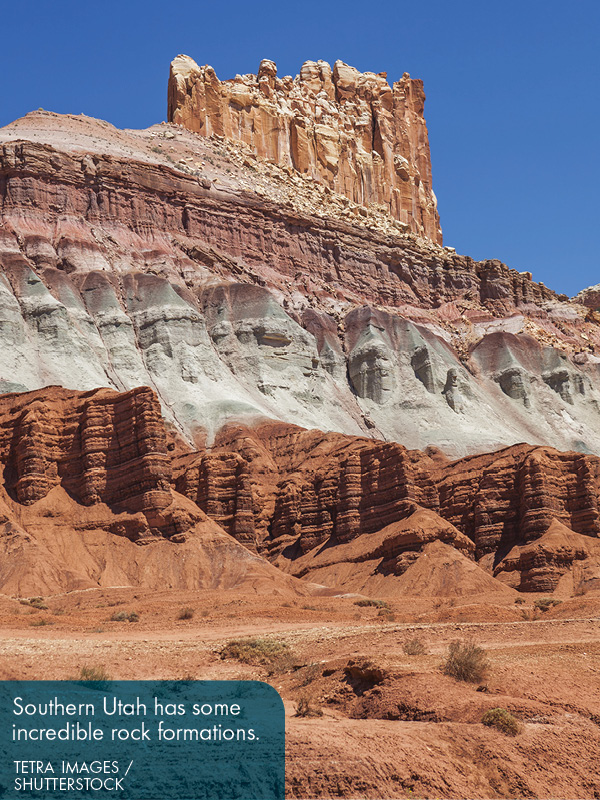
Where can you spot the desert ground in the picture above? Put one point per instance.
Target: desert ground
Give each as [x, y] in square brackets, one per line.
[364, 718]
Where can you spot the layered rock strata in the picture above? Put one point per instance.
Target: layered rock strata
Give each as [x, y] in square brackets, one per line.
[326, 490]
[352, 131]
[121, 271]
[100, 446]
[103, 461]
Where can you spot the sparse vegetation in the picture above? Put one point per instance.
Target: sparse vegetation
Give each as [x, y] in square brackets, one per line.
[125, 616]
[466, 661]
[98, 673]
[34, 602]
[519, 601]
[415, 646]
[186, 613]
[304, 708]
[544, 603]
[40, 623]
[502, 720]
[311, 673]
[263, 652]
[366, 602]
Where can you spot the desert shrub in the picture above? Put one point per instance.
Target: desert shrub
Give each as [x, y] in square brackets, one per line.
[264, 652]
[310, 674]
[415, 646]
[502, 720]
[387, 614]
[186, 613]
[125, 616]
[40, 623]
[366, 602]
[519, 601]
[544, 603]
[304, 708]
[35, 602]
[466, 661]
[58, 612]
[97, 673]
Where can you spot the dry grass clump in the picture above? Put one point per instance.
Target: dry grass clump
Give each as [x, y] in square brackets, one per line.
[98, 674]
[186, 613]
[502, 720]
[415, 646]
[34, 602]
[259, 652]
[466, 661]
[304, 708]
[124, 616]
[544, 603]
[368, 602]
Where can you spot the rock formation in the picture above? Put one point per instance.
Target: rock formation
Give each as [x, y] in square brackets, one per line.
[124, 272]
[86, 499]
[316, 493]
[361, 137]
[231, 362]
[306, 500]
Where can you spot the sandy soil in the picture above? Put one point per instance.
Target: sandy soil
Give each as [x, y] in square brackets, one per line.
[386, 724]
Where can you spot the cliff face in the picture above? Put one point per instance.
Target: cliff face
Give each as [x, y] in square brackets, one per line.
[355, 133]
[526, 514]
[86, 499]
[82, 467]
[245, 297]
[121, 271]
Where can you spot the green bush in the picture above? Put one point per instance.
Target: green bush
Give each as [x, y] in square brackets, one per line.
[502, 720]
[466, 661]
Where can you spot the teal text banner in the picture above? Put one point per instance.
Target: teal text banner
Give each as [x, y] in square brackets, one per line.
[141, 740]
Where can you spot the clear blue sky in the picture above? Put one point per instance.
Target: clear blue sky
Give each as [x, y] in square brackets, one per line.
[513, 94]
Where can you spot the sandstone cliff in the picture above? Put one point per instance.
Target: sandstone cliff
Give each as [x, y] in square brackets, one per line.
[313, 500]
[236, 292]
[355, 133]
[86, 500]
[97, 474]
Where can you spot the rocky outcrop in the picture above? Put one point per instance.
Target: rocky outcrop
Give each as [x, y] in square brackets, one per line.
[352, 131]
[100, 446]
[307, 500]
[229, 306]
[326, 491]
[86, 500]
[220, 485]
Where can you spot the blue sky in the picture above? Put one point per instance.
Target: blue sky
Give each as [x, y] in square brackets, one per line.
[513, 99]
